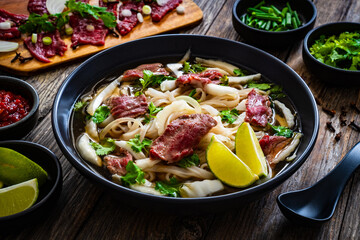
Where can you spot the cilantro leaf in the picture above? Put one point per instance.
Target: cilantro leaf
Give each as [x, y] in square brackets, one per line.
[260, 86]
[193, 68]
[152, 111]
[85, 9]
[133, 175]
[192, 93]
[239, 72]
[149, 79]
[275, 91]
[138, 145]
[101, 113]
[79, 106]
[281, 131]
[229, 116]
[189, 161]
[224, 80]
[107, 146]
[338, 50]
[171, 188]
[37, 23]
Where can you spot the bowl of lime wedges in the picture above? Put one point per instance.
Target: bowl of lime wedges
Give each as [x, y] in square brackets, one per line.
[30, 183]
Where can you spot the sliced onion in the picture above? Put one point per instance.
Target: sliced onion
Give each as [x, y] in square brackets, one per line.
[218, 90]
[126, 13]
[6, 46]
[126, 146]
[140, 17]
[191, 101]
[5, 25]
[162, 2]
[55, 6]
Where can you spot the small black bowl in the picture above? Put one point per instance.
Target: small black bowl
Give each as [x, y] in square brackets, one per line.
[49, 193]
[305, 8]
[325, 72]
[22, 127]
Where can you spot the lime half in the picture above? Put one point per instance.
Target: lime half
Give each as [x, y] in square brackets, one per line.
[16, 168]
[18, 198]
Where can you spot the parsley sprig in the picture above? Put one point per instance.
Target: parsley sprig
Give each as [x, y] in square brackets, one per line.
[101, 113]
[38, 23]
[169, 188]
[281, 131]
[149, 79]
[152, 112]
[193, 68]
[138, 145]
[275, 91]
[79, 106]
[229, 116]
[133, 175]
[189, 161]
[107, 146]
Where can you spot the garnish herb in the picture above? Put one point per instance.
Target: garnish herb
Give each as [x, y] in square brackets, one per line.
[107, 146]
[224, 80]
[97, 12]
[189, 161]
[281, 131]
[275, 91]
[239, 72]
[341, 51]
[171, 188]
[229, 116]
[79, 106]
[152, 111]
[101, 113]
[133, 175]
[37, 23]
[192, 93]
[193, 68]
[151, 80]
[138, 145]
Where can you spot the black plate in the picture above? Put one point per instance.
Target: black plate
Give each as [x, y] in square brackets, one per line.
[174, 46]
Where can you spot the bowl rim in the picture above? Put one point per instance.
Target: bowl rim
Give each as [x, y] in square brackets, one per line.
[311, 21]
[35, 99]
[58, 179]
[307, 51]
[87, 172]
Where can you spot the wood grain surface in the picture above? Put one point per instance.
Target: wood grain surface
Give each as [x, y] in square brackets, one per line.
[85, 211]
[170, 22]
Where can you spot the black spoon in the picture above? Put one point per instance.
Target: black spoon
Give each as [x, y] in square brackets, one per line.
[317, 203]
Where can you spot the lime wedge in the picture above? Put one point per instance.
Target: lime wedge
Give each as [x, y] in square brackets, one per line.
[227, 167]
[16, 168]
[248, 149]
[18, 197]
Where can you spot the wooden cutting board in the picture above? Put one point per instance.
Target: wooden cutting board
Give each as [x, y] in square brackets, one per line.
[171, 21]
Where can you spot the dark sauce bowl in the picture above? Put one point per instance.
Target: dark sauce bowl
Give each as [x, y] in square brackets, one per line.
[305, 8]
[324, 72]
[160, 48]
[49, 192]
[22, 127]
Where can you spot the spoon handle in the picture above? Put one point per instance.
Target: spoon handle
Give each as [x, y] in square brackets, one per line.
[343, 171]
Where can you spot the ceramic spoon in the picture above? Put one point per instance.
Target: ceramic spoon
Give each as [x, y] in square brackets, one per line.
[317, 203]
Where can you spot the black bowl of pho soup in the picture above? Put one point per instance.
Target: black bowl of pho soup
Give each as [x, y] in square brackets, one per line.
[103, 69]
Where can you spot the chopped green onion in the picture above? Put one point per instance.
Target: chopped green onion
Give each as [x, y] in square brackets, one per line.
[298, 22]
[260, 4]
[69, 31]
[267, 9]
[47, 40]
[146, 9]
[277, 11]
[288, 19]
[294, 23]
[34, 38]
[284, 11]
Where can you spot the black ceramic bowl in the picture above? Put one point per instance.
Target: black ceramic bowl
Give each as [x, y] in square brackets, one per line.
[325, 72]
[162, 48]
[49, 193]
[305, 8]
[22, 127]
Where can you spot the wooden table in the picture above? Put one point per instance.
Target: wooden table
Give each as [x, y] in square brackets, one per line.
[85, 211]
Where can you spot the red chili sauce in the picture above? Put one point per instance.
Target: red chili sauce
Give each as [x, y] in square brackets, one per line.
[13, 107]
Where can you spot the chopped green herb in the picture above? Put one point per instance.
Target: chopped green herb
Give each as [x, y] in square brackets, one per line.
[171, 188]
[275, 91]
[138, 145]
[85, 9]
[37, 23]
[151, 80]
[239, 72]
[133, 175]
[189, 161]
[281, 131]
[193, 68]
[79, 106]
[340, 51]
[101, 113]
[152, 111]
[224, 80]
[192, 93]
[107, 146]
[229, 116]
